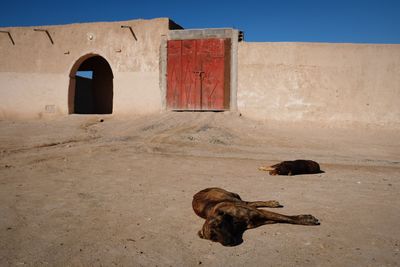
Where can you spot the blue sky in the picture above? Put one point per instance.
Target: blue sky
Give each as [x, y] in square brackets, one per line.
[352, 21]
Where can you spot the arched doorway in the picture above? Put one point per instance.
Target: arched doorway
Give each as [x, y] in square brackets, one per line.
[91, 86]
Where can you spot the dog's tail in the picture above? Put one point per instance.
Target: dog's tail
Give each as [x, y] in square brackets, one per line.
[266, 169]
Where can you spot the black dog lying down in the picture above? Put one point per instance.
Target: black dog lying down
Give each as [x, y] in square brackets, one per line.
[227, 216]
[295, 167]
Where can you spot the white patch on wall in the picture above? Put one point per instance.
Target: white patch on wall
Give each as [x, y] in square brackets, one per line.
[90, 36]
[296, 103]
[243, 98]
[50, 108]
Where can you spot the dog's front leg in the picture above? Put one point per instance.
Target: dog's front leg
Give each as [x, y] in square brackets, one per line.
[264, 204]
[261, 217]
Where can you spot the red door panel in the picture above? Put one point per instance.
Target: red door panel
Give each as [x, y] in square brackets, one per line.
[211, 56]
[174, 74]
[190, 97]
[201, 81]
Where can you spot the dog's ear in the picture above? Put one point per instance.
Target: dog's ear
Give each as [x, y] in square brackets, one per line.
[226, 218]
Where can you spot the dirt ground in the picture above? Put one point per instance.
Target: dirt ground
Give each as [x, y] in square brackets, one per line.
[81, 192]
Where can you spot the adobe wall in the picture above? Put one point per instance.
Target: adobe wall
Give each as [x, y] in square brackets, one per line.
[34, 74]
[287, 82]
[316, 82]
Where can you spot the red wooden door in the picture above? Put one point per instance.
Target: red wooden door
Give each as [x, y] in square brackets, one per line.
[198, 74]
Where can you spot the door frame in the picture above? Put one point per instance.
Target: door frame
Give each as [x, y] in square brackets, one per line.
[223, 33]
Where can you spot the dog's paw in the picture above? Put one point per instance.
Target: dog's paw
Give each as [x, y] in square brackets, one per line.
[200, 234]
[275, 204]
[307, 220]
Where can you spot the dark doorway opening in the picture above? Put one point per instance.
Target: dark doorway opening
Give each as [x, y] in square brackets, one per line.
[91, 86]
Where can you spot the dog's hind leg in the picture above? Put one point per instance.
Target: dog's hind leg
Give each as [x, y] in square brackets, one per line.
[264, 204]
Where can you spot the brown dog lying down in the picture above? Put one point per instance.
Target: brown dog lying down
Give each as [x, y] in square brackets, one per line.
[295, 167]
[228, 216]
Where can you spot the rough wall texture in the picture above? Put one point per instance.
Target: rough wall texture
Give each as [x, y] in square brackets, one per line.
[328, 83]
[34, 74]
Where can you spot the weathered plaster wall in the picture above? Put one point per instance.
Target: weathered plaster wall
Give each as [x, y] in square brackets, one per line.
[328, 83]
[288, 82]
[34, 74]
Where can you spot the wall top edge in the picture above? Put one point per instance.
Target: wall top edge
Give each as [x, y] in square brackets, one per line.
[294, 43]
[201, 33]
[163, 19]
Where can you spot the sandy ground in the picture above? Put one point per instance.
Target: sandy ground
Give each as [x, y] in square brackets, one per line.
[80, 192]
